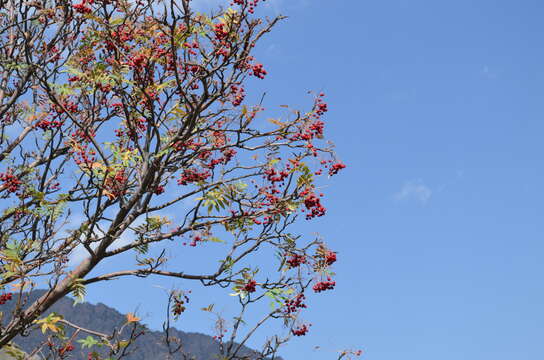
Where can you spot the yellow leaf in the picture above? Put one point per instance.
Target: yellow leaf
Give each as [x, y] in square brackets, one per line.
[132, 318]
[208, 308]
[51, 327]
[97, 165]
[109, 194]
[276, 122]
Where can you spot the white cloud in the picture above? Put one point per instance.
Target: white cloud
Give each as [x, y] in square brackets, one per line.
[414, 190]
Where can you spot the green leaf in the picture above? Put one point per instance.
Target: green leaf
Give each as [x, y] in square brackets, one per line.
[79, 291]
[116, 21]
[88, 342]
[216, 239]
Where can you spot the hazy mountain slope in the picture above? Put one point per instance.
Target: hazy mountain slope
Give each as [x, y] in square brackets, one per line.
[104, 319]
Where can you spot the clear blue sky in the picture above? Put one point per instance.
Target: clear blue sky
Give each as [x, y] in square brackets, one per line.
[437, 108]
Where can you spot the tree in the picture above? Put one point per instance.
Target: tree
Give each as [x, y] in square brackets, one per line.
[120, 109]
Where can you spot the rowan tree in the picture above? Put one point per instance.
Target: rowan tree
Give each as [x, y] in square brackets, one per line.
[118, 110]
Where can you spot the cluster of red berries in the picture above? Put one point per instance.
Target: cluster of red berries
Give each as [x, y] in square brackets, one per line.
[258, 71]
[330, 257]
[335, 168]
[10, 182]
[313, 204]
[121, 38]
[159, 190]
[5, 298]
[238, 93]
[70, 106]
[250, 286]
[82, 156]
[221, 335]
[48, 125]
[85, 60]
[228, 154]
[137, 61]
[84, 135]
[53, 186]
[193, 45]
[295, 260]
[66, 348]
[324, 285]
[196, 238]
[297, 303]
[220, 31]
[274, 176]
[105, 88]
[252, 4]
[82, 7]
[192, 176]
[116, 185]
[320, 106]
[301, 330]
[317, 128]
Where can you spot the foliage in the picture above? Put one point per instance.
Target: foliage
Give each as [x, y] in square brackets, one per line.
[119, 110]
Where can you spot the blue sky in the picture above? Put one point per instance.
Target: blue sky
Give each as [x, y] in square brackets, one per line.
[436, 107]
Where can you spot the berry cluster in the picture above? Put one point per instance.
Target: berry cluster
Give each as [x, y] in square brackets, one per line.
[301, 330]
[220, 31]
[258, 71]
[324, 285]
[116, 185]
[292, 305]
[250, 286]
[82, 7]
[335, 168]
[48, 124]
[330, 257]
[313, 204]
[84, 135]
[275, 176]
[11, 182]
[195, 240]
[238, 93]
[320, 106]
[295, 260]
[193, 176]
[83, 156]
[66, 348]
[251, 3]
[5, 298]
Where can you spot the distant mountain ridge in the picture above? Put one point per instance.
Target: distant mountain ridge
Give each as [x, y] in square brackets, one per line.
[102, 318]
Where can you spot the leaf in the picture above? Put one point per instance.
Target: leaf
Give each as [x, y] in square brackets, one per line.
[50, 323]
[97, 165]
[216, 239]
[79, 291]
[132, 318]
[88, 342]
[116, 21]
[208, 308]
[276, 122]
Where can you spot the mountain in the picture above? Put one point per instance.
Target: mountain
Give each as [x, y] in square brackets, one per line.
[104, 319]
